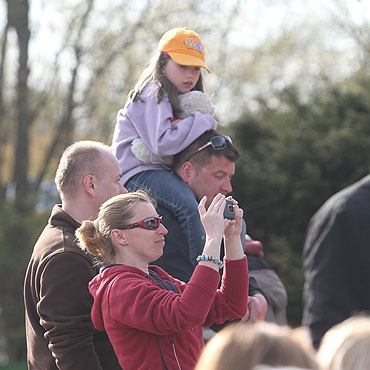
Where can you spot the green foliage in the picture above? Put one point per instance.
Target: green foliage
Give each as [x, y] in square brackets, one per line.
[295, 156]
[18, 233]
[15, 366]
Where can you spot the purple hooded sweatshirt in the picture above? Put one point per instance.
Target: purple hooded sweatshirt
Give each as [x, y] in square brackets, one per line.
[150, 121]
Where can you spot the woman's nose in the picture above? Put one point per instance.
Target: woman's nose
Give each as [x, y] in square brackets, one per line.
[162, 229]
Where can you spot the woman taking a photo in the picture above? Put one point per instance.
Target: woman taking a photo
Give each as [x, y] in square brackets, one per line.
[153, 320]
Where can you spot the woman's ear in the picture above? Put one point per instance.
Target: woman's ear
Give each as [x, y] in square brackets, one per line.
[118, 237]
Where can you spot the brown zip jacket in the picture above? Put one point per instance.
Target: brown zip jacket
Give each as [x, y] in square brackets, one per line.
[59, 331]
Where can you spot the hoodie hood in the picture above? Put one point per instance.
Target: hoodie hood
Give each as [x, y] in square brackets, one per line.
[99, 288]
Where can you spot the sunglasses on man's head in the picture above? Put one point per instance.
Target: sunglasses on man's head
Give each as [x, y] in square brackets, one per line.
[151, 223]
[217, 143]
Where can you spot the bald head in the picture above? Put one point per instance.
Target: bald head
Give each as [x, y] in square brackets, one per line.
[78, 160]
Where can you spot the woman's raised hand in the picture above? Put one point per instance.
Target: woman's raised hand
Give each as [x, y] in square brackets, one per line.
[213, 218]
[233, 245]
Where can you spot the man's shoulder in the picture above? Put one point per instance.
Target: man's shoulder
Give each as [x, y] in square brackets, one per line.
[57, 239]
[347, 202]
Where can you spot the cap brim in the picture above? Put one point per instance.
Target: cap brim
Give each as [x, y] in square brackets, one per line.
[188, 60]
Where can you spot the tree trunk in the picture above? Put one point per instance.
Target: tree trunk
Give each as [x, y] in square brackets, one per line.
[2, 111]
[65, 129]
[18, 18]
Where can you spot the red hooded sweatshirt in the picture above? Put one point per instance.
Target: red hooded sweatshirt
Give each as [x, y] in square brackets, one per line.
[151, 327]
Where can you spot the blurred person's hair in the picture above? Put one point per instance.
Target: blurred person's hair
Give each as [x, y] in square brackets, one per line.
[245, 346]
[346, 346]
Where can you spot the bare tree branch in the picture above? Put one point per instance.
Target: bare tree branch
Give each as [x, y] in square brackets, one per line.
[65, 128]
[129, 39]
[51, 84]
[225, 32]
[359, 33]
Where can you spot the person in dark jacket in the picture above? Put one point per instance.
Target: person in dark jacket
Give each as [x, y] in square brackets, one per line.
[268, 280]
[59, 331]
[153, 320]
[336, 260]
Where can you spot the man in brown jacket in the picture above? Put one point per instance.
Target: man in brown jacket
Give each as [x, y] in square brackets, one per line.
[59, 331]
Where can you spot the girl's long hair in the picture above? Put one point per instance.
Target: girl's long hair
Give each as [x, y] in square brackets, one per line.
[154, 73]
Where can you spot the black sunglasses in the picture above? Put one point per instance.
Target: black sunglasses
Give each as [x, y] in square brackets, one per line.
[217, 143]
[151, 223]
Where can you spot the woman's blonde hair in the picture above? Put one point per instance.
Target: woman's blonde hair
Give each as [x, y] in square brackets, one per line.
[94, 236]
[154, 73]
[346, 346]
[245, 346]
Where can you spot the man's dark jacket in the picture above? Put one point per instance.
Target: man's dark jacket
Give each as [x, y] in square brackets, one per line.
[59, 331]
[337, 259]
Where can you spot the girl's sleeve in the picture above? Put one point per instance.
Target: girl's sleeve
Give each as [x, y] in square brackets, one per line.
[152, 121]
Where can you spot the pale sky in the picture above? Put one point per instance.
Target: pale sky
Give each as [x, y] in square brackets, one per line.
[257, 21]
[264, 19]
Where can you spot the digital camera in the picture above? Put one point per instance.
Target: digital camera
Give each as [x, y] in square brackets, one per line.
[229, 209]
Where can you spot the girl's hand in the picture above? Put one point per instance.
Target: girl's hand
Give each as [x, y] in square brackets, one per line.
[234, 227]
[213, 218]
[215, 126]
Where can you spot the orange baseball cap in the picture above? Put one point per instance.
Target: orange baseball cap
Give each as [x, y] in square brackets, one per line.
[184, 47]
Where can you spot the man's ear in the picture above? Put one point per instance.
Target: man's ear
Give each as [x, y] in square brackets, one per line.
[187, 171]
[89, 185]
